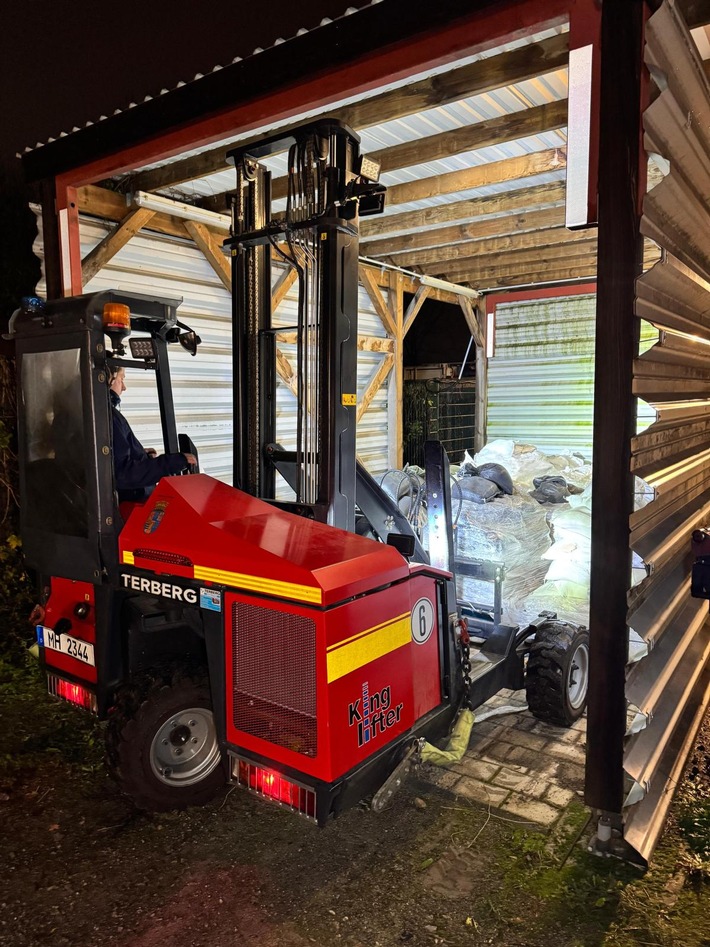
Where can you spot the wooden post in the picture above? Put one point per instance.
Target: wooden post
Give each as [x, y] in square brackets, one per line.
[396, 304]
[69, 240]
[480, 437]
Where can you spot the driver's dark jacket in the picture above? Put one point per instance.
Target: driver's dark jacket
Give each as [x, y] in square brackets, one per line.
[133, 468]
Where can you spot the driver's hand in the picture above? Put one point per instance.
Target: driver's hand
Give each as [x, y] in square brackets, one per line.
[151, 452]
[191, 459]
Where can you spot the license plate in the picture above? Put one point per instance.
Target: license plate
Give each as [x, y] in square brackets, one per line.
[66, 644]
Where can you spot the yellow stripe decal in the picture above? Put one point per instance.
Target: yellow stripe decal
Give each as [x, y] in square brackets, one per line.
[301, 593]
[363, 649]
[128, 559]
[367, 631]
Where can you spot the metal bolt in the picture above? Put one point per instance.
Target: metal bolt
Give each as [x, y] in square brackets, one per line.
[193, 723]
[105, 451]
[99, 347]
[178, 752]
[102, 377]
[109, 521]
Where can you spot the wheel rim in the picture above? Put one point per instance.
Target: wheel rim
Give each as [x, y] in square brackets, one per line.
[578, 676]
[185, 748]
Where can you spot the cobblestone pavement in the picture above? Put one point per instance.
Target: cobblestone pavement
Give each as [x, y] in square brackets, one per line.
[517, 764]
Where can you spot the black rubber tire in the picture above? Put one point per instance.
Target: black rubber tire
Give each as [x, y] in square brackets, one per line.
[141, 709]
[559, 652]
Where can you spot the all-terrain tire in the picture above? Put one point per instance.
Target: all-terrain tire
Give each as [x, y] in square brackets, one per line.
[161, 742]
[557, 673]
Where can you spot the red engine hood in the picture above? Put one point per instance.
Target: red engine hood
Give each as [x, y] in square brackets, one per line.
[230, 538]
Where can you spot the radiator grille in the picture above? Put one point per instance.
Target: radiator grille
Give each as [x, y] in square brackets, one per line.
[274, 676]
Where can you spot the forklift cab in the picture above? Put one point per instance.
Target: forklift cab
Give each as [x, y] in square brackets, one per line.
[69, 513]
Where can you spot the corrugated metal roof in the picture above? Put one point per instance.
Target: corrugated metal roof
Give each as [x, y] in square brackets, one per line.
[486, 106]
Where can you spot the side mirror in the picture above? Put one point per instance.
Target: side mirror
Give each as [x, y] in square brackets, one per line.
[189, 341]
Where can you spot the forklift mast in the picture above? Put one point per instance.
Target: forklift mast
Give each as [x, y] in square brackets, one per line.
[330, 186]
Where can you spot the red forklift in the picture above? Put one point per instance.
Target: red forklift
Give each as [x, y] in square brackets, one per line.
[289, 633]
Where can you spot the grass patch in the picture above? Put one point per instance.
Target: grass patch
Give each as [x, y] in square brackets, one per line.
[39, 730]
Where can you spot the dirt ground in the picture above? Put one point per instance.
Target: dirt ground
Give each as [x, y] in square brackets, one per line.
[82, 868]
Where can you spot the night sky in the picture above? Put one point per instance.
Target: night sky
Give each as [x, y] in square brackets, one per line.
[68, 61]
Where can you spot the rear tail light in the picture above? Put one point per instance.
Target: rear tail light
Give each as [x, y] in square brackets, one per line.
[275, 787]
[74, 693]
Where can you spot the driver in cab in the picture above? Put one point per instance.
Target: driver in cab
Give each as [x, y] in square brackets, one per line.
[135, 467]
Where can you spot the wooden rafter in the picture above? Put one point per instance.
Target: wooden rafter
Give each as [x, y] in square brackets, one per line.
[476, 269]
[522, 124]
[420, 297]
[378, 378]
[286, 281]
[526, 199]
[113, 242]
[365, 343]
[493, 172]
[526, 62]
[468, 249]
[212, 250]
[378, 301]
[286, 373]
[471, 317]
[441, 236]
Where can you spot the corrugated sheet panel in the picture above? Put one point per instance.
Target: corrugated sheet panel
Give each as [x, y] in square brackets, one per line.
[541, 375]
[202, 386]
[670, 686]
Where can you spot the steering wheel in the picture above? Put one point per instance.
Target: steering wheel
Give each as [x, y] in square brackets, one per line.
[186, 446]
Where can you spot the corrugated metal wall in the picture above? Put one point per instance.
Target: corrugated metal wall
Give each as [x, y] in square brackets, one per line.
[541, 375]
[167, 266]
[670, 686]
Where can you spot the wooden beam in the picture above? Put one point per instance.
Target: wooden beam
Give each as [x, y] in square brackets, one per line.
[494, 131]
[365, 343]
[373, 291]
[285, 371]
[526, 62]
[441, 236]
[467, 249]
[113, 242]
[396, 405]
[482, 268]
[212, 250]
[286, 281]
[471, 317]
[420, 297]
[487, 271]
[377, 379]
[524, 199]
[109, 205]
[582, 273]
[480, 434]
[482, 175]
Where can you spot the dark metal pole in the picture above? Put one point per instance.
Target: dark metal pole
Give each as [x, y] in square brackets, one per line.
[619, 263]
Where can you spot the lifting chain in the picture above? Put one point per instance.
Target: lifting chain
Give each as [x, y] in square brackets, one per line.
[461, 628]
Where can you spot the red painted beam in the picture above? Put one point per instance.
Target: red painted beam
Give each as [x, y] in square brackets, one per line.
[481, 30]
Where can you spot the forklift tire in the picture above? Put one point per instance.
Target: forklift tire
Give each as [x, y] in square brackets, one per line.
[161, 742]
[557, 673]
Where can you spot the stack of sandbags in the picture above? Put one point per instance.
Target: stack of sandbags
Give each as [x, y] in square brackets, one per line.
[566, 586]
[512, 530]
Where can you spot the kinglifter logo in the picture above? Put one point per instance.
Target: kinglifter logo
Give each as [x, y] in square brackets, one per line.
[373, 713]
